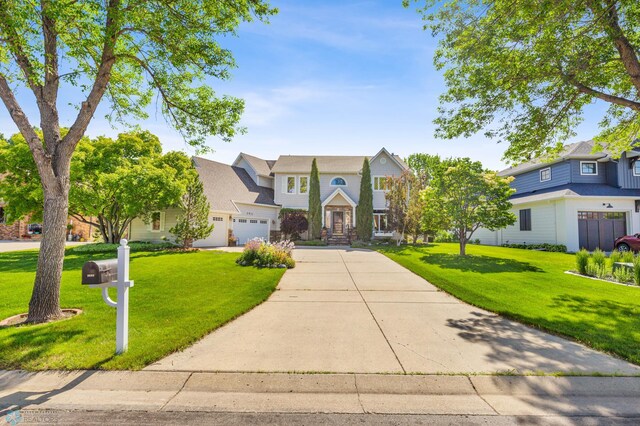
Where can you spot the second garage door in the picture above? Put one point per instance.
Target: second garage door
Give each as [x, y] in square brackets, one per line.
[245, 229]
[219, 237]
[600, 229]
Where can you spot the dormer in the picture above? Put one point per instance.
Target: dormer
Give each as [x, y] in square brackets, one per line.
[258, 169]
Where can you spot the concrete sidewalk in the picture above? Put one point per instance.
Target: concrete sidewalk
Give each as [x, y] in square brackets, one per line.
[154, 392]
[356, 311]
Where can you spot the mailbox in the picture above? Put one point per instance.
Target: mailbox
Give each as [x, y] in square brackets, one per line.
[100, 271]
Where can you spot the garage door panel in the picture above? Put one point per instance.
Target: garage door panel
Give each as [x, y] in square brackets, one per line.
[600, 229]
[246, 229]
[219, 236]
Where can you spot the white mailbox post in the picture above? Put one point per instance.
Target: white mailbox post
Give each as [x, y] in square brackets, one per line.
[122, 302]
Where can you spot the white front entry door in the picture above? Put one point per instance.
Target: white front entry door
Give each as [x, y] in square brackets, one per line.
[219, 237]
[245, 229]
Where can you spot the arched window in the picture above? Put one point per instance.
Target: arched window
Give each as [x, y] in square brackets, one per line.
[338, 181]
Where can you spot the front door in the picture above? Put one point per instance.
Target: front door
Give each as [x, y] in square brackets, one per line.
[338, 222]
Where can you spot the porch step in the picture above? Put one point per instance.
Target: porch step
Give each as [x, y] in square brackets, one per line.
[338, 241]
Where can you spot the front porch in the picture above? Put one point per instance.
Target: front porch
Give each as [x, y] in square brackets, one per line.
[338, 216]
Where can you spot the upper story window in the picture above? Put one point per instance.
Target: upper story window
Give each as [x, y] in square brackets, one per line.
[303, 184]
[338, 181]
[636, 168]
[588, 168]
[157, 222]
[380, 183]
[290, 187]
[545, 174]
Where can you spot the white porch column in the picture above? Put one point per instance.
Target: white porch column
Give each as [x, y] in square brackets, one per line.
[323, 224]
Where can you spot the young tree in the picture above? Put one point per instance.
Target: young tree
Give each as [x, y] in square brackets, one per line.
[364, 211]
[112, 181]
[424, 167]
[398, 197]
[293, 223]
[193, 222]
[315, 205]
[464, 197]
[525, 71]
[126, 52]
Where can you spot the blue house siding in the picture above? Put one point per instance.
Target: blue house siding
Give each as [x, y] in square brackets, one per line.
[576, 177]
[626, 179]
[530, 181]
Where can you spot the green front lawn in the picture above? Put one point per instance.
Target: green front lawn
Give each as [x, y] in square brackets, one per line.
[531, 287]
[177, 299]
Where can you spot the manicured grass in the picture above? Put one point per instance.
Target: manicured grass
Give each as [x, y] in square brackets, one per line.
[178, 297]
[531, 287]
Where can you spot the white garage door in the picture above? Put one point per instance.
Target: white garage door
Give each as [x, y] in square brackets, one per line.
[219, 236]
[246, 229]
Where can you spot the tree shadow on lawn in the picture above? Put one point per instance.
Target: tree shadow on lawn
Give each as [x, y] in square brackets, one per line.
[481, 264]
[32, 341]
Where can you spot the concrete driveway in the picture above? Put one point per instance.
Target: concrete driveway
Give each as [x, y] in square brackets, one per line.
[350, 310]
[6, 245]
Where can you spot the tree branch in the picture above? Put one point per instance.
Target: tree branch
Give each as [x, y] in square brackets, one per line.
[49, 119]
[601, 95]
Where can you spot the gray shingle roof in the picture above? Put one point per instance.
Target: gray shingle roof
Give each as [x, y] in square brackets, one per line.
[262, 167]
[326, 163]
[578, 150]
[582, 189]
[224, 184]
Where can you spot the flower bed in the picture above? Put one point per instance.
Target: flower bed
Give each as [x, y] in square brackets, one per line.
[258, 252]
[618, 267]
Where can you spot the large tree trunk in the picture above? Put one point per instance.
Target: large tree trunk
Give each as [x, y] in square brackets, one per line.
[45, 299]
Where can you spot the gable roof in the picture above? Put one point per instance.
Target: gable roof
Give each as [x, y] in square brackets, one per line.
[399, 161]
[260, 166]
[579, 150]
[327, 163]
[224, 184]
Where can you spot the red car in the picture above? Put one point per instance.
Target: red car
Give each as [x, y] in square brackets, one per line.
[628, 243]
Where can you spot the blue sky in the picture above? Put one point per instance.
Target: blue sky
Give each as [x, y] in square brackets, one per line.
[328, 78]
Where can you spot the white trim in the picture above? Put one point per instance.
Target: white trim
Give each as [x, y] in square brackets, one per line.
[338, 186]
[589, 174]
[550, 175]
[285, 185]
[373, 183]
[161, 220]
[300, 184]
[395, 160]
[336, 192]
[251, 204]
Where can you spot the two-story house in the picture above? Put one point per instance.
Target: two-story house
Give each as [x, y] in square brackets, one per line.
[247, 196]
[580, 199]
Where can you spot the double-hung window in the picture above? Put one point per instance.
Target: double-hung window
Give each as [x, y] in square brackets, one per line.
[380, 183]
[290, 187]
[588, 168]
[303, 184]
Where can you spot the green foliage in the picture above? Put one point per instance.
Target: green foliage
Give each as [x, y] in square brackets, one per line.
[582, 261]
[135, 246]
[597, 270]
[112, 181]
[399, 203]
[463, 197]
[628, 257]
[614, 257]
[193, 221]
[424, 167]
[315, 205]
[210, 287]
[526, 77]
[445, 237]
[312, 243]
[267, 255]
[599, 258]
[560, 248]
[532, 288]
[364, 211]
[623, 275]
[293, 224]
[636, 270]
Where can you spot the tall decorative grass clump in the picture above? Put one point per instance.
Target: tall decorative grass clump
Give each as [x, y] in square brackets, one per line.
[582, 260]
[636, 270]
[615, 256]
[599, 258]
[628, 257]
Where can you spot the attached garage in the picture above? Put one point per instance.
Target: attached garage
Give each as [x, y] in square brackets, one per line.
[245, 229]
[600, 229]
[219, 236]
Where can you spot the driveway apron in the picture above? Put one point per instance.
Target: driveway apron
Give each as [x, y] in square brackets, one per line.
[354, 310]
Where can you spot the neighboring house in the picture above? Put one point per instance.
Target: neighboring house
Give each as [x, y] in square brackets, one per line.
[26, 229]
[580, 199]
[247, 196]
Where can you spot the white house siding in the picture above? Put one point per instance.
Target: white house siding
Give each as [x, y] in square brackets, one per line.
[243, 164]
[389, 168]
[267, 182]
[252, 211]
[139, 231]
[301, 201]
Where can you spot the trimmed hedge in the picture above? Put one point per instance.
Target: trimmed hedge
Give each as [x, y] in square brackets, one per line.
[560, 248]
[136, 246]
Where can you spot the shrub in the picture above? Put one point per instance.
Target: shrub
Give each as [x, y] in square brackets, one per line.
[135, 246]
[628, 257]
[599, 258]
[636, 270]
[615, 256]
[582, 261]
[560, 248]
[623, 275]
[293, 223]
[445, 237]
[266, 255]
[596, 270]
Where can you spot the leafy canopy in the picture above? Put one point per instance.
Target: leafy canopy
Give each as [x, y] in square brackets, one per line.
[524, 71]
[463, 197]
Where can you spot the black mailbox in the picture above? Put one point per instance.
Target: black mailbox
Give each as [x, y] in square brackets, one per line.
[100, 271]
